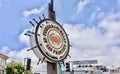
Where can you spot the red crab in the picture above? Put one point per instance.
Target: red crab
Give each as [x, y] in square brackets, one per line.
[55, 38]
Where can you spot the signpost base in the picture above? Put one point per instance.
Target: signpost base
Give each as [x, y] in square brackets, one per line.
[51, 68]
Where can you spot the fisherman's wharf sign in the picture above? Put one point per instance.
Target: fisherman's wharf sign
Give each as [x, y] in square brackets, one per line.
[51, 41]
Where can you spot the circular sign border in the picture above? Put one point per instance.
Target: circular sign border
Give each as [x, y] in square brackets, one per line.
[38, 45]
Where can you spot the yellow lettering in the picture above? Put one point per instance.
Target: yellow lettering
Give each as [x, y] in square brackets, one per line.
[45, 40]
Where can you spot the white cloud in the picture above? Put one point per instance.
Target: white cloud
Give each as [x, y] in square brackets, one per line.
[27, 13]
[101, 15]
[23, 38]
[94, 43]
[87, 43]
[4, 50]
[19, 55]
[81, 5]
[96, 14]
[111, 24]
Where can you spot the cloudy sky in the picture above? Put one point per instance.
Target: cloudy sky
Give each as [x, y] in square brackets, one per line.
[93, 27]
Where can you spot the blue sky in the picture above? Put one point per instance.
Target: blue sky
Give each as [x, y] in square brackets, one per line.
[13, 22]
[93, 26]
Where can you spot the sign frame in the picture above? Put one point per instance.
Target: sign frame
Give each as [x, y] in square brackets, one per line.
[46, 55]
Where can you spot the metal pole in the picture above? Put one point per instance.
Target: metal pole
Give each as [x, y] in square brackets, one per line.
[51, 67]
[51, 12]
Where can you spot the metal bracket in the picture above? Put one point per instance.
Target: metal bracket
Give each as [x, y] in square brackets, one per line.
[32, 48]
[31, 23]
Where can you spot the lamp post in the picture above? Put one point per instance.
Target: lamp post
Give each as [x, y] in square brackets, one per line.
[27, 63]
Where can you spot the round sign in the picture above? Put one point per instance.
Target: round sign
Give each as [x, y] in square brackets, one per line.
[51, 41]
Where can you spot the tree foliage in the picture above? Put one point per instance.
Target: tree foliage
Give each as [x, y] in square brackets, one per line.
[15, 68]
[27, 72]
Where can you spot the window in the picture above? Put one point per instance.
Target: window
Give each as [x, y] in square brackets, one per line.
[2, 62]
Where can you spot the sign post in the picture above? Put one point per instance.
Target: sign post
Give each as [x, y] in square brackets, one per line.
[51, 67]
[49, 41]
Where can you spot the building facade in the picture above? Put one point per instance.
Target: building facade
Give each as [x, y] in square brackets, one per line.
[3, 63]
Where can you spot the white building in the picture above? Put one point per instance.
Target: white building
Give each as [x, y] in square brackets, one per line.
[86, 67]
[3, 63]
[115, 71]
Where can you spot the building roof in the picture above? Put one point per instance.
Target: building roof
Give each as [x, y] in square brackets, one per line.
[3, 56]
